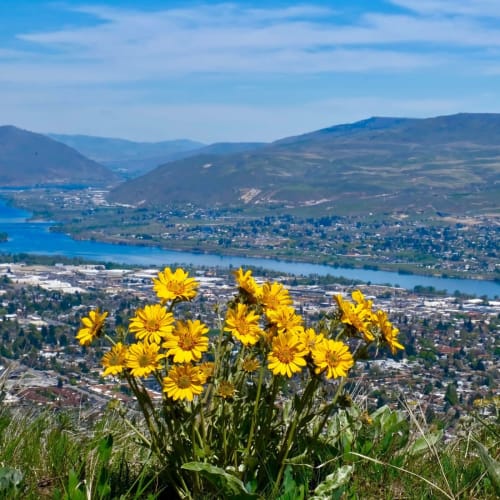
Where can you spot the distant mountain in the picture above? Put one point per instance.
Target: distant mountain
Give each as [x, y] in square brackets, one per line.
[30, 159]
[132, 159]
[447, 162]
[128, 157]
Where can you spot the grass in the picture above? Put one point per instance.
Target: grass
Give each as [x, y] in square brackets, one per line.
[64, 455]
[59, 455]
[417, 463]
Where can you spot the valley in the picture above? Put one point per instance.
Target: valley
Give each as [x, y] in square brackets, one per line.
[424, 243]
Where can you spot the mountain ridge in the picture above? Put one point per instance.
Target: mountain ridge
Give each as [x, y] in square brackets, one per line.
[402, 161]
[31, 159]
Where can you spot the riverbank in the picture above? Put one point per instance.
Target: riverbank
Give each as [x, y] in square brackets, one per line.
[26, 236]
[344, 262]
[422, 244]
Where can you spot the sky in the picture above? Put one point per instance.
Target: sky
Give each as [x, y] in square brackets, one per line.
[241, 70]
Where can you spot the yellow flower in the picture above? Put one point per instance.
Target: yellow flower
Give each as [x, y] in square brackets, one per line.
[243, 324]
[143, 359]
[285, 318]
[247, 283]
[152, 323]
[92, 327]
[114, 360]
[175, 285]
[388, 331]
[359, 298]
[334, 357]
[310, 338]
[183, 382]
[480, 403]
[225, 389]
[206, 370]
[274, 295]
[357, 316]
[366, 419]
[287, 355]
[187, 342]
[250, 365]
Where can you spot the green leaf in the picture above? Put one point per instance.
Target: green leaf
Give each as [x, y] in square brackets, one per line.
[367, 447]
[221, 479]
[492, 465]
[10, 478]
[291, 491]
[104, 490]
[423, 443]
[298, 459]
[74, 492]
[105, 447]
[333, 482]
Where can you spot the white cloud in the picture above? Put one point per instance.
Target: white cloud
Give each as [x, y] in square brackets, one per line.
[128, 45]
[79, 79]
[479, 8]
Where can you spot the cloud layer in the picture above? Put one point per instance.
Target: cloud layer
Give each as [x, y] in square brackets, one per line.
[136, 45]
[110, 54]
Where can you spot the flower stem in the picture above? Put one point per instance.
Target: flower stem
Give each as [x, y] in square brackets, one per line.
[291, 431]
[255, 411]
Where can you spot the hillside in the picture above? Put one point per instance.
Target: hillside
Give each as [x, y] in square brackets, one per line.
[128, 157]
[131, 159]
[30, 159]
[450, 163]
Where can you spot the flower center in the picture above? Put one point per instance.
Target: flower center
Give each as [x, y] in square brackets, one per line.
[332, 359]
[250, 365]
[242, 326]
[184, 382]
[226, 389]
[115, 359]
[152, 325]
[176, 287]
[187, 342]
[144, 360]
[286, 354]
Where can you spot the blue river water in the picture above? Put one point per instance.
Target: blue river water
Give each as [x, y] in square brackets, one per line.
[26, 236]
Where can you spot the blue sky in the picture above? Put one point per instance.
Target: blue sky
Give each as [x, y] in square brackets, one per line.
[242, 70]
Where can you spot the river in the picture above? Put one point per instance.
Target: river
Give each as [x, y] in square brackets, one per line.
[26, 236]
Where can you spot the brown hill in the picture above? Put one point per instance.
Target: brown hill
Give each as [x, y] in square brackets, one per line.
[30, 159]
[449, 163]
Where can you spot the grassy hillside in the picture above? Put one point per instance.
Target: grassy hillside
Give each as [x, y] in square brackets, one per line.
[61, 455]
[29, 159]
[451, 163]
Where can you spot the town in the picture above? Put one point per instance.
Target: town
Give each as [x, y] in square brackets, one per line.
[450, 361]
[421, 242]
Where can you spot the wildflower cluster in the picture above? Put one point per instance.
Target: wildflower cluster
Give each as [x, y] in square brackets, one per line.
[372, 325]
[261, 387]
[263, 314]
[158, 337]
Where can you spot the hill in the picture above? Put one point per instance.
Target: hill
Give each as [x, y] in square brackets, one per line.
[447, 163]
[131, 159]
[30, 159]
